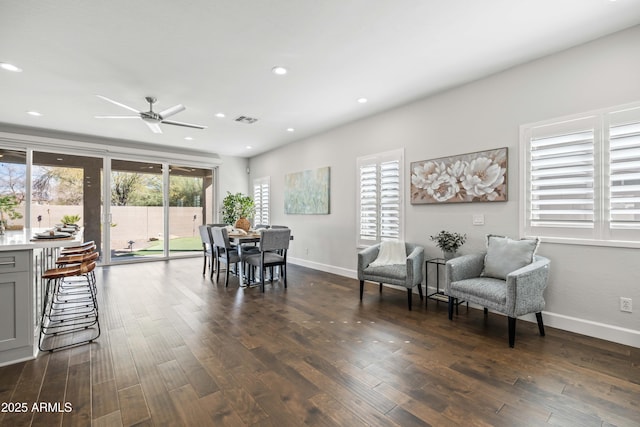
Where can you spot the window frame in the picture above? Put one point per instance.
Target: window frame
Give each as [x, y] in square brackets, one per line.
[603, 233]
[378, 159]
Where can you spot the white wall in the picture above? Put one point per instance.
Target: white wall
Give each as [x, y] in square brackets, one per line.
[586, 282]
[232, 177]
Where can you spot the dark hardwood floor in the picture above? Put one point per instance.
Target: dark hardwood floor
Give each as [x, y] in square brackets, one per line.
[177, 349]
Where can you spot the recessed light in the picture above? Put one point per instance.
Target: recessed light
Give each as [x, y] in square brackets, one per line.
[221, 115]
[188, 138]
[362, 100]
[279, 70]
[290, 129]
[248, 147]
[10, 67]
[34, 113]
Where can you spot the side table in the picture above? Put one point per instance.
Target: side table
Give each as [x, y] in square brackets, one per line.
[438, 295]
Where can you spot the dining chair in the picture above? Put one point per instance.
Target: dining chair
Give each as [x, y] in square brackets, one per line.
[208, 251]
[273, 247]
[224, 252]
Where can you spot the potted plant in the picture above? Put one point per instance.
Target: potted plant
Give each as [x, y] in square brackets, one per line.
[70, 219]
[8, 210]
[237, 209]
[449, 242]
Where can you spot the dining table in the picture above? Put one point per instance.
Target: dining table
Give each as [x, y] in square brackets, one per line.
[240, 240]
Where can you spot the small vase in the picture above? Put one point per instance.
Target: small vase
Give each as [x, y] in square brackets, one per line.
[243, 224]
[447, 255]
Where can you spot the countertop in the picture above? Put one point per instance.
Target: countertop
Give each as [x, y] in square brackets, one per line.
[15, 240]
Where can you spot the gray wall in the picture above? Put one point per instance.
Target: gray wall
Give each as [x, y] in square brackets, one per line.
[586, 281]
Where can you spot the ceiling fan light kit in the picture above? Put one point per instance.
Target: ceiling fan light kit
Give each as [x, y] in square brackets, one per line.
[151, 118]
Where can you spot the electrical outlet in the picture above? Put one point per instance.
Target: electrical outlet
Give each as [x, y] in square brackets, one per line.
[626, 304]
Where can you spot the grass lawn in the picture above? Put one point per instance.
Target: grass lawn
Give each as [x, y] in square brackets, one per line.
[179, 244]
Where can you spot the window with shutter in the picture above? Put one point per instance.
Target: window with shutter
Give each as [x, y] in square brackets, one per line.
[261, 200]
[380, 207]
[581, 178]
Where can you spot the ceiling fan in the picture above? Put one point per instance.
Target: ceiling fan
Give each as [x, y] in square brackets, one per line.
[151, 118]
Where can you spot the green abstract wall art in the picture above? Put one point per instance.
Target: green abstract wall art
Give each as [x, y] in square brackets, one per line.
[307, 192]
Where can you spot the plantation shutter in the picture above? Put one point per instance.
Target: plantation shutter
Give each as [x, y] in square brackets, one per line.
[380, 198]
[624, 176]
[390, 200]
[369, 202]
[261, 200]
[582, 178]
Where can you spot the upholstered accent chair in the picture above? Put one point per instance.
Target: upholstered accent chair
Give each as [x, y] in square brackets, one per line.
[407, 274]
[507, 278]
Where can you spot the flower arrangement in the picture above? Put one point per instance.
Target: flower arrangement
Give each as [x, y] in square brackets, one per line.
[449, 242]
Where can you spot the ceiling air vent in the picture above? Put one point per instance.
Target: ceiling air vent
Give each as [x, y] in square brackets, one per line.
[245, 119]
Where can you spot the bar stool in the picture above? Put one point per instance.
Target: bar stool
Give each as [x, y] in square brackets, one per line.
[70, 306]
[89, 246]
[67, 287]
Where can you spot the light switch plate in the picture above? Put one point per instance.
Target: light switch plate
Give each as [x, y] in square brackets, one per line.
[478, 219]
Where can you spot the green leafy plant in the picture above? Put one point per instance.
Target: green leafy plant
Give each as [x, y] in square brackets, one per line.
[8, 207]
[449, 242]
[70, 219]
[236, 206]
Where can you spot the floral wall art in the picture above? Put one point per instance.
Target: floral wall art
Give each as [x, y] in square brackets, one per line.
[473, 177]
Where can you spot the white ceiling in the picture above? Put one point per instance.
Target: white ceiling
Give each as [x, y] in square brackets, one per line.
[216, 56]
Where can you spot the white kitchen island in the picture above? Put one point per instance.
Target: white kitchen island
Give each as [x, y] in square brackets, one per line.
[21, 263]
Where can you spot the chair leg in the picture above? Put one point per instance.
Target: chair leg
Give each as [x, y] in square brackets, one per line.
[217, 270]
[263, 272]
[204, 264]
[540, 324]
[283, 271]
[226, 276]
[451, 303]
[409, 293]
[361, 289]
[420, 291]
[512, 331]
[380, 287]
[486, 312]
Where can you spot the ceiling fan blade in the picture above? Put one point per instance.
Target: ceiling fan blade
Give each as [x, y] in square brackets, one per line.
[119, 104]
[117, 117]
[187, 125]
[171, 111]
[155, 127]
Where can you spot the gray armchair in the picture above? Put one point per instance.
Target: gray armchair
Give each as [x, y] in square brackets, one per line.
[520, 293]
[408, 275]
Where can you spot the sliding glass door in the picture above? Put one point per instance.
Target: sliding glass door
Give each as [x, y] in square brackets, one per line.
[136, 215]
[131, 208]
[189, 207]
[65, 188]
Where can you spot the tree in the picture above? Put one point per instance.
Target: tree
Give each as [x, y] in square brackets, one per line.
[185, 191]
[123, 186]
[58, 185]
[12, 180]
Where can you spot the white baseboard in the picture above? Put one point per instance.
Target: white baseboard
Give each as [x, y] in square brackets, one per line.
[577, 325]
[593, 329]
[352, 274]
